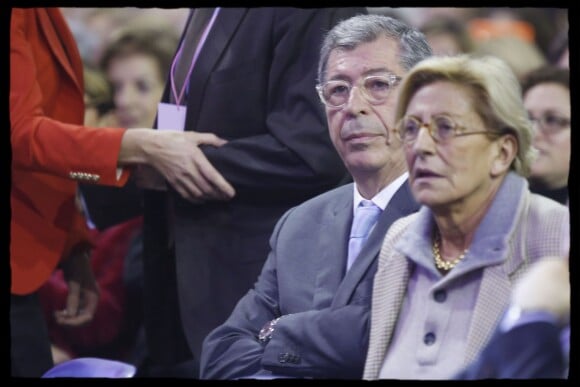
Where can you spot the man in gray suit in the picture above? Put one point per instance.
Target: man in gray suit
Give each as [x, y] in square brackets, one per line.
[308, 313]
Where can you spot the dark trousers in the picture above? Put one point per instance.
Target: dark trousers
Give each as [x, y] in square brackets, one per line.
[188, 369]
[168, 353]
[30, 354]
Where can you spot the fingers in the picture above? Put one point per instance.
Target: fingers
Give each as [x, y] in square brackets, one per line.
[196, 188]
[186, 183]
[208, 179]
[79, 319]
[219, 184]
[177, 157]
[82, 317]
[199, 180]
[73, 299]
[206, 138]
[81, 306]
[91, 301]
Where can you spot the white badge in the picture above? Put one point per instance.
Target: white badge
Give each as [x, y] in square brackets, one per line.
[171, 116]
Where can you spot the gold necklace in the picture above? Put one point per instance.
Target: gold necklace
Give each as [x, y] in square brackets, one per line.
[439, 262]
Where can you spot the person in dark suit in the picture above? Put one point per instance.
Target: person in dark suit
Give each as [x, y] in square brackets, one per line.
[533, 339]
[246, 74]
[308, 314]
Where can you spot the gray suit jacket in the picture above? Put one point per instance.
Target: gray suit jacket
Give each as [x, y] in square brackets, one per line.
[324, 329]
[537, 227]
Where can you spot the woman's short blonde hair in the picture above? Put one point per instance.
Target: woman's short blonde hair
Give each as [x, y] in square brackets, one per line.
[496, 96]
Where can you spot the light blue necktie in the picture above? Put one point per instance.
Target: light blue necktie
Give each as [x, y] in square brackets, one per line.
[365, 217]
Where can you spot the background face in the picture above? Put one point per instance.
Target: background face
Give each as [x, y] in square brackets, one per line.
[137, 88]
[553, 162]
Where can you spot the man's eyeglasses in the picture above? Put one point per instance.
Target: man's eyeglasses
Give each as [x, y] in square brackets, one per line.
[550, 123]
[375, 89]
[441, 128]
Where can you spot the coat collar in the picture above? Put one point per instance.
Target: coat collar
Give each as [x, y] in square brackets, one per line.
[219, 37]
[58, 35]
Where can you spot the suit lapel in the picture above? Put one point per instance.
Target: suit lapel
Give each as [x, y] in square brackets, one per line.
[388, 293]
[401, 204]
[59, 38]
[496, 281]
[488, 309]
[331, 265]
[219, 37]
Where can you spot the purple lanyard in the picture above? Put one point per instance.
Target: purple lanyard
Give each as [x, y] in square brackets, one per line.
[197, 51]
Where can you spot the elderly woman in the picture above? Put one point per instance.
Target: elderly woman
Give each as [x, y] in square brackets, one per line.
[445, 273]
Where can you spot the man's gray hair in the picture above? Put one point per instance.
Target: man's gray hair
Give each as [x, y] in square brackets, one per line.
[350, 33]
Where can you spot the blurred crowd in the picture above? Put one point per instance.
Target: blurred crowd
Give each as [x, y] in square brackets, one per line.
[526, 38]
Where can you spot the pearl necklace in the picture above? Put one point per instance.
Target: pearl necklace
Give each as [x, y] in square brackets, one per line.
[439, 262]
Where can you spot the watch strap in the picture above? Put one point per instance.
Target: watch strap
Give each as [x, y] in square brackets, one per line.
[267, 330]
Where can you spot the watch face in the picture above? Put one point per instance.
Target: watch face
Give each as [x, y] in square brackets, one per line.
[263, 334]
[266, 332]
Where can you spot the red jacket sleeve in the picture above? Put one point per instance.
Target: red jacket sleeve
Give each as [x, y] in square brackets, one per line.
[46, 103]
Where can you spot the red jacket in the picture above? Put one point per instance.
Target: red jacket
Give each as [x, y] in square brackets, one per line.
[51, 150]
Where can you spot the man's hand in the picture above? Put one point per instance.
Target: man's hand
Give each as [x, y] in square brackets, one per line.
[83, 291]
[177, 157]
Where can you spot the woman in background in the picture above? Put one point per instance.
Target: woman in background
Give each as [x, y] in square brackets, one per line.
[136, 65]
[546, 94]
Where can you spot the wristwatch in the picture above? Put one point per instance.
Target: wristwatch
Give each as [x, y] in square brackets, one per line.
[267, 330]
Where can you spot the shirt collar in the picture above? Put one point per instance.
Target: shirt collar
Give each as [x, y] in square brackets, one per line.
[384, 196]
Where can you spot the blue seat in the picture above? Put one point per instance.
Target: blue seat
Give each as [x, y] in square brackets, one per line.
[91, 367]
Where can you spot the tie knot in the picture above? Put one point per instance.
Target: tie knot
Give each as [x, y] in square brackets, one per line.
[365, 217]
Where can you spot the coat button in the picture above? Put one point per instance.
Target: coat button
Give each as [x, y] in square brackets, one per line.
[283, 357]
[440, 295]
[429, 338]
